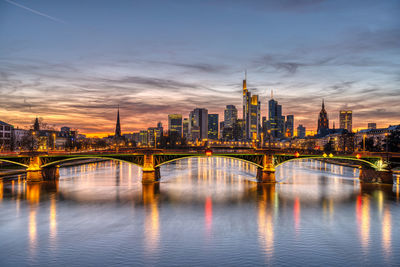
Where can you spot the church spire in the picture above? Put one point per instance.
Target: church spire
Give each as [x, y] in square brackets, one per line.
[118, 126]
[36, 125]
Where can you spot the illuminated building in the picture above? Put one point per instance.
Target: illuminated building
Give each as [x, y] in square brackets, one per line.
[346, 119]
[301, 131]
[160, 130]
[175, 124]
[251, 113]
[323, 121]
[230, 116]
[198, 124]
[185, 128]
[6, 136]
[213, 126]
[289, 125]
[276, 122]
[143, 138]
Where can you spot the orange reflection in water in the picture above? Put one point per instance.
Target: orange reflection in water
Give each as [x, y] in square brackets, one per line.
[296, 214]
[387, 232]
[151, 221]
[266, 206]
[363, 215]
[53, 219]
[33, 192]
[208, 214]
[32, 231]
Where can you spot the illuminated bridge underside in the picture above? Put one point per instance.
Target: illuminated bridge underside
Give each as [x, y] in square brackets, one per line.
[150, 163]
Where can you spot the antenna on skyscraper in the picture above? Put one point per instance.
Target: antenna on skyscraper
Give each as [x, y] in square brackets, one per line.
[272, 94]
[245, 75]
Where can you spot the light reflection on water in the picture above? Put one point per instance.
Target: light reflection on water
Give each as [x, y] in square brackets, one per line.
[205, 211]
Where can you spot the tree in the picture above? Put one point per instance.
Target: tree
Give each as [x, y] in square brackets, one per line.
[30, 141]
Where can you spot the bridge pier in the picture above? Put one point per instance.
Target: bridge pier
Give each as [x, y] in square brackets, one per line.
[150, 173]
[35, 172]
[373, 176]
[51, 173]
[267, 173]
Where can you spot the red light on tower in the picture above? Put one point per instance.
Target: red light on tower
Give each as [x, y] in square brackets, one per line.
[208, 152]
[358, 156]
[297, 154]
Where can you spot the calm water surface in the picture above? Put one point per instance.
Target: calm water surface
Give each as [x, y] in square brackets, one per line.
[206, 211]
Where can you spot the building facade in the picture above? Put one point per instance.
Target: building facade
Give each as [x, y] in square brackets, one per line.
[213, 126]
[346, 120]
[323, 121]
[198, 124]
[175, 124]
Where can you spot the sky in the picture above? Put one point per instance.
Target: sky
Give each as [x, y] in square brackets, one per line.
[72, 63]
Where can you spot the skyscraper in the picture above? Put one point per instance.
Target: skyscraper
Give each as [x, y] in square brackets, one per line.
[346, 120]
[175, 124]
[255, 113]
[230, 116]
[301, 131]
[323, 121]
[118, 126]
[185, 127]
[213, 126]
[251, 113]
[276, 122]
[198, 124]
[289, 126]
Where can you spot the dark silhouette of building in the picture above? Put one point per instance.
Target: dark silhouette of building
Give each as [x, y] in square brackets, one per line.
[118, 126]
[301, 131]
[276, 122]
[36, 125]
[323, 121]
[213, 126]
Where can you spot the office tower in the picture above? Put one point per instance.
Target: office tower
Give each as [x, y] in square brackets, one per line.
[276, 122]
[289, 125]
[255, 113]
[175, 124]
[117, 127]
[198, 124]
[323, 121]
[213, 126]
[160, 129]
[301, 131]
[143, 138]
[346, 120]
[372, 125]
[185, 126]
[251, 113]
[230, 116]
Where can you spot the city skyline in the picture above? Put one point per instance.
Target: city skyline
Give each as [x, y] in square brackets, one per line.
[65, 64]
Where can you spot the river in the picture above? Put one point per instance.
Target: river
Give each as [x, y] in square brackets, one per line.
[204, 212]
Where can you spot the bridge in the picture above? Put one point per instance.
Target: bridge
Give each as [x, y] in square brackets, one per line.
[43, 166]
